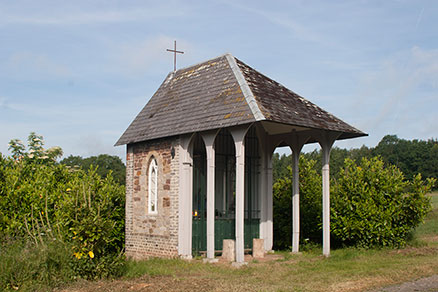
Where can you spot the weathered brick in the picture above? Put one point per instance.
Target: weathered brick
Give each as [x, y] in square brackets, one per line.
[152, 235]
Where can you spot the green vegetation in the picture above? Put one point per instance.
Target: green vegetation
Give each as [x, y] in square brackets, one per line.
[410, 156]
[60, 223]
[347, 269]
[105, 164]
[70, 221]
[28, 267]
[371, 205]
[429, 230]
[310, 205]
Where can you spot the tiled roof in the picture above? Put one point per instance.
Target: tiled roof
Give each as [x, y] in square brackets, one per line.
[224, 92]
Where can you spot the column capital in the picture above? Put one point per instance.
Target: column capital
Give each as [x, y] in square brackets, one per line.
[209, 137]
[238, 133]
[296, 140]
[326, 139]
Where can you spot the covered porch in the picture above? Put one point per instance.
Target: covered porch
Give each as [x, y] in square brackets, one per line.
[226, 185]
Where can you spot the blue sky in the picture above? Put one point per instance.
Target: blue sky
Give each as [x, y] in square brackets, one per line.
[78, 72]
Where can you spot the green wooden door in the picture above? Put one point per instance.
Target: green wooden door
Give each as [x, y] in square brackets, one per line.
[225, 177]
[225, 224]
[199, 212]
[225, 192]
[252, 210]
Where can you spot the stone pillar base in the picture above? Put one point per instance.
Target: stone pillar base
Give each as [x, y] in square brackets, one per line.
[210, 261]
[238, 265]
[229, 250]
[258, 248]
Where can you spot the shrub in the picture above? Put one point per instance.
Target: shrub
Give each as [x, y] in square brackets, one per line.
[93, 215]
[310, 205]
[42, 201]
[373, 205]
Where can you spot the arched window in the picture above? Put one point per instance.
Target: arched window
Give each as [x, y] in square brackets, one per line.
[153, 187]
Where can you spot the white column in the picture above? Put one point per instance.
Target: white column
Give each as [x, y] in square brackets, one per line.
[266, 149]
[326, 141]
[185, 199]
[296, 143]
[239, 138]
[209, 145]
[263, 203]
[295, 202]
[269, 202]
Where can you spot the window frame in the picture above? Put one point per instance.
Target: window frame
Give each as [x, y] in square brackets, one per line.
[153, 187]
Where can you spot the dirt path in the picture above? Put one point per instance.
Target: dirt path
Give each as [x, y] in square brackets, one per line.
[429, 284]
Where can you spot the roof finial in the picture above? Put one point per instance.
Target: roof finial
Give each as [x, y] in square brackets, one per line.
[174, 55]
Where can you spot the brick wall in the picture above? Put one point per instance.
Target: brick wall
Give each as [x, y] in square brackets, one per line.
[152, 235]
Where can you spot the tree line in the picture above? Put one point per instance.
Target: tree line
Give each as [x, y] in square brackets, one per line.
[410, 156]
[105, 164]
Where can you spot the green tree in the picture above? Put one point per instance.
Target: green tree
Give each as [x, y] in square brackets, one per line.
[105, 164]
[280, 165]
[411, 156]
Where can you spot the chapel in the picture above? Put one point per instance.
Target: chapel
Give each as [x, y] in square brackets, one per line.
[198, 162]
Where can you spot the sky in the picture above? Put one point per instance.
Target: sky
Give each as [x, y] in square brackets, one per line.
[78, 72]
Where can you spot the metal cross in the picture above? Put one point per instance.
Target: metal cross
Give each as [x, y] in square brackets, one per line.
[174, 51]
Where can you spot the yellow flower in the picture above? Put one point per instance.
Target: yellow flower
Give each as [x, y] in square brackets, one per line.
[91, 254]
[77, 255]
[68, 190]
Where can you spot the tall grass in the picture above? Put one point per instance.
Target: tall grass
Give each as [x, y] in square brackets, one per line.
[25, 266]
[429, 228]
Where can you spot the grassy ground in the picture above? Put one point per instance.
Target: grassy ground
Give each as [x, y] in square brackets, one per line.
[345, 270]
[428, 232]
